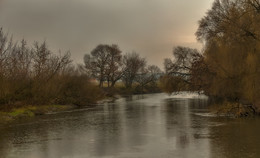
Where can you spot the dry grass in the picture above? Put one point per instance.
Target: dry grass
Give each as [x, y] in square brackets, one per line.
[233, 109]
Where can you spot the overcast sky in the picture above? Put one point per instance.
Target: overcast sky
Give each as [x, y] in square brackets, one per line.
[149, 27]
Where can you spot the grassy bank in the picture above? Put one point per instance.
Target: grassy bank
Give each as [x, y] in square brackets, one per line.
[30, 111]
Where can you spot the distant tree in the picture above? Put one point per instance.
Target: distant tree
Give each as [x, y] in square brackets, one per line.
[182, 63]
[181, 66]
[188, 71]
[114, 70]
[132, 65]
[148, 75]
[170, 84]
[96, 62]
[104, 63]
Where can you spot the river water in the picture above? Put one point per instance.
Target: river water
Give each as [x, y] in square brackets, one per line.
[141, 126]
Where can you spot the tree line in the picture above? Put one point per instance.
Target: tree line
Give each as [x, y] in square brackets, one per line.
[228, 68]
[107, 64]
[37, 76]
[34, 75]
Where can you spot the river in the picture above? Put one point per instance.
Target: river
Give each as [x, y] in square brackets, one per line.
[141, 126]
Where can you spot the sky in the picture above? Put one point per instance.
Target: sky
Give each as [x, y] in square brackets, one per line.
[149, 27]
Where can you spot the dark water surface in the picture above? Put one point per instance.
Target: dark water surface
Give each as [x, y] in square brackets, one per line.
[145, 126]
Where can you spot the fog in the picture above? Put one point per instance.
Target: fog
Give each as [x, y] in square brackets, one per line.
[149, 27]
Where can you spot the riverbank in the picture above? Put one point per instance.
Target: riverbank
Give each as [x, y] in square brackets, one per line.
[8, 114]
[31, 111]
[154, 121]
[237, 110]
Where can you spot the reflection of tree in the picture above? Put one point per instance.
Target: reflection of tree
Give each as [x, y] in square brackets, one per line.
[4, 141]
[109, 131]
[30, 138]
[177, 121]
[136, 123]
[183, 140]
[182, 125]
[121, 128]
[238, 138]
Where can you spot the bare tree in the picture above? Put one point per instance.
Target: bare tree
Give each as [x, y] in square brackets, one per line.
[132, 65]
[114, 68]
[185, 71]
[19, 61]
[182, 63]
[148, 75]
[231, 19]
[5, 46]
[37, 76]
[96, 62]
[46, 64]
[104, 63]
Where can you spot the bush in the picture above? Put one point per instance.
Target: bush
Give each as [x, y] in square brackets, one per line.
[37, 76]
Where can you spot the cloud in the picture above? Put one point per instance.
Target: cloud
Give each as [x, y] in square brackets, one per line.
[150, 27]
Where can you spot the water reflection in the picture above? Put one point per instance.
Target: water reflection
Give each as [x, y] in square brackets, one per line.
[238, 138]
[145, 126]
[180, 127]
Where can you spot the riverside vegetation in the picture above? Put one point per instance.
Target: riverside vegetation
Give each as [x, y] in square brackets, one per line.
[227, 69]
[34, 80]
[34, 77]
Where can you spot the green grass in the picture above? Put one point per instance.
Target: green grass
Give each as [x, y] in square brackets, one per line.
[21, 112]
[31, 111]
